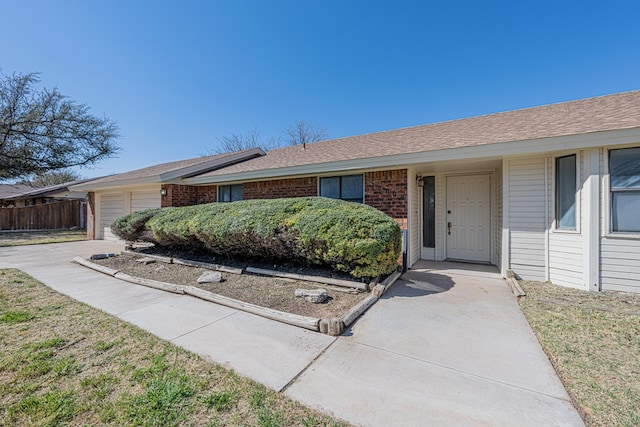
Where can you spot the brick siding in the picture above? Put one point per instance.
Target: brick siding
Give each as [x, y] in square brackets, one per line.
[91, 215]
[280, 188]
[388, 192]
[188, 195]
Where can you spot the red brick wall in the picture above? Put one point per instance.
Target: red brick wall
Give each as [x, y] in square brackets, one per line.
[388, 192]
[187, 195]
[91, 215]
[280, 188]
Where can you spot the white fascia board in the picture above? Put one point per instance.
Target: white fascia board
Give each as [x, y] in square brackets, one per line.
[499, 150]
[91, 186]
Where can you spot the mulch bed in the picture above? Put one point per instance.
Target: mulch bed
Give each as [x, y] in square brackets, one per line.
[265, 291]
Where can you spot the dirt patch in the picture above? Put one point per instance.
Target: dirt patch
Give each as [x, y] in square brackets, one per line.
[265, 291]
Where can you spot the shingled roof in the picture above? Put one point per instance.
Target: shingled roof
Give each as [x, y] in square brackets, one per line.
[166, 172]
[604, 113]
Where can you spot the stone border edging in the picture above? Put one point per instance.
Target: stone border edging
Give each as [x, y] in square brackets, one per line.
[292, 319]
[364, 305]
[97, 267]
[332, 326]
[306, 322]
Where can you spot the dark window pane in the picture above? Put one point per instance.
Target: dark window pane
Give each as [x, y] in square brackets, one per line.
[352, 188]
[236, 192]
[224, 193]
[566, 192]
[330, 187]
[624, 166]
[624, 211]
[429, 211]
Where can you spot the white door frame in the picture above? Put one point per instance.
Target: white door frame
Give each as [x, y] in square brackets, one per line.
[489, 222]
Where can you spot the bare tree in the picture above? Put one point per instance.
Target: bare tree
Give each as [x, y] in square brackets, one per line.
[238, 142]
[304, 132]
[299, 133]
[52, 178]
[42, 130]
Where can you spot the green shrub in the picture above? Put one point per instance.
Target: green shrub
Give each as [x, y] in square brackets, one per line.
[346, 236]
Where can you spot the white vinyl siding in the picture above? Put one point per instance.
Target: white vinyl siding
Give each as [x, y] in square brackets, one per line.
[414, 218]
[619, 256]
[527, 217]
[566, 249]
[111, 207]
[497, 218]
[441, 214]
[620, 264]
[566, 259]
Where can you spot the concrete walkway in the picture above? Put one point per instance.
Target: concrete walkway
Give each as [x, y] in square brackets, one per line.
[447, 345]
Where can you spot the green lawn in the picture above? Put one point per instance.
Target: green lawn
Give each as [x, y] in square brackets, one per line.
[63, 362]
[19, 238]
[593, 340]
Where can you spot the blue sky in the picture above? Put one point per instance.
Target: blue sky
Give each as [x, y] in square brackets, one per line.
[176, 76]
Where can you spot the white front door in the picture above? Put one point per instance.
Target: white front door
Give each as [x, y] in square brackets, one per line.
[468, 217]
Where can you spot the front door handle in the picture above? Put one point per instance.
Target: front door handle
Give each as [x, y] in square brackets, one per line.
[449, 227]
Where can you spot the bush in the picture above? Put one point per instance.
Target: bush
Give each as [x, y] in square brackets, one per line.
[346, 236]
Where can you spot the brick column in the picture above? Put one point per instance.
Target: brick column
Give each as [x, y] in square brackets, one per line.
[91, 215]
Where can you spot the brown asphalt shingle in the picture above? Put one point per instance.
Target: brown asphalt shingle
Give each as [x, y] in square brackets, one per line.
[610, 112]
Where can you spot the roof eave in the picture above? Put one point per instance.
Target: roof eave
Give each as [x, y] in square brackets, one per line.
[92, 186]
[502, 149]
[211, 165]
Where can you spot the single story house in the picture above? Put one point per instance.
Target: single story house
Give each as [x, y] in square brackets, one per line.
[551, 193]
[8, 191]
[31, 196]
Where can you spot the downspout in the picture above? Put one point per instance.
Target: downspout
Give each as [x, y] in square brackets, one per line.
[546, 219]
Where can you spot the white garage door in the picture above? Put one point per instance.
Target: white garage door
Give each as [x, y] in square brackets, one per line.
[141, 200]
[111, 207]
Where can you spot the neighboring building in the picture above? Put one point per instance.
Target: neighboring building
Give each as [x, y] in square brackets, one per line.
[7, 191]
[551, 192]
[31, 196]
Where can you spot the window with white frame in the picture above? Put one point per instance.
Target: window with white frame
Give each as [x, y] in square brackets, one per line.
[230, 193]
[624, 178]
[348, 187]
[566, 192]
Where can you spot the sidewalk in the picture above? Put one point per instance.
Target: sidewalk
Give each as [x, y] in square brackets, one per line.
[443, 347]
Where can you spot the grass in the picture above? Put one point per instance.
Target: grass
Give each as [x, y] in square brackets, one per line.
[21, 238]
[65, 363]
[593, 340]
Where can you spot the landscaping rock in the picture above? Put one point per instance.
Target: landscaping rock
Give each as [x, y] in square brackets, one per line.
[210, 277]
[316, 296]
[102, 256]
[146, 260]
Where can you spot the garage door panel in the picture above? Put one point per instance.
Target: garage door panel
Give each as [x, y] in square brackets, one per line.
[111, 207]
[141, 200]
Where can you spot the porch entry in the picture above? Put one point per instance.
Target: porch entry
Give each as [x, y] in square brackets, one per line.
[468, 218]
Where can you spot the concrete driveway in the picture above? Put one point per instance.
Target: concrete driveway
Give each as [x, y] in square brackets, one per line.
[447, 345]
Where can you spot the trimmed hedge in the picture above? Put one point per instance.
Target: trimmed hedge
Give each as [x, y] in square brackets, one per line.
[346, 236]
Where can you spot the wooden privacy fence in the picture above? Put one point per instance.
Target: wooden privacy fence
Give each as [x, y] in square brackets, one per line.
[50, 216]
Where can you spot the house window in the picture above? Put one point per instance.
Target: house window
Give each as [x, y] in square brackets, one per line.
[230, 193]
[429, 212]
[624, 171]
[349, 188]
[566, 192]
